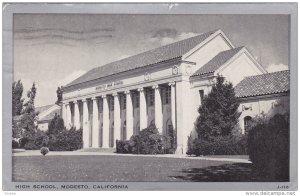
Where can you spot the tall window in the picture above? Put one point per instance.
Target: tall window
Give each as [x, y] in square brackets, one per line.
[201, 94]
[167, 95]
[112, 104]
[137, 100]
[247, 122]
[124, 102]
[151, 98]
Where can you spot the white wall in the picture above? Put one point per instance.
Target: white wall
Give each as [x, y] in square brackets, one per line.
[269, 105]
[208, 51]
[240, 67]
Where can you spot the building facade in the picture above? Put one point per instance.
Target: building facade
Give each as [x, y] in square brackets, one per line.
[163, 86]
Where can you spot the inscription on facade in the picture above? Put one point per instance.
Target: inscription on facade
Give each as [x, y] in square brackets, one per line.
[109, 85]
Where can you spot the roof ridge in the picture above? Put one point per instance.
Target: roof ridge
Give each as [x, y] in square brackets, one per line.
[218, 61]
[269, 73]
[156, 55]
[210, 32]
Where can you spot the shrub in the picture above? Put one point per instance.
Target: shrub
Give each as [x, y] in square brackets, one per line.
[44, 150]
[23, 141]
[149, 141]
[15, 144]
[34, 141]
[269, 147]
[221, 145]
[66, 140]
[123, 146]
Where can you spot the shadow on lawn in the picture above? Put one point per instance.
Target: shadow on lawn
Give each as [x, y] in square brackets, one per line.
[236, 172]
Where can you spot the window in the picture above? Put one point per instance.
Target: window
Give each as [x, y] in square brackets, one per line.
[137, 100]
[247, 122]
[112, 104]
[167, 95]
[201, 93]
[124, 102]
[151, 98]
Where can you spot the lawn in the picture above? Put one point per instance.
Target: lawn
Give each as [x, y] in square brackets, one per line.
[126, 168]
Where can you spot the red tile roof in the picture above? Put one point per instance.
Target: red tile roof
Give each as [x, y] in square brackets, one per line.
[161, 54]
[216, 62]
[264, 84]
[43, 108]
[50, 116]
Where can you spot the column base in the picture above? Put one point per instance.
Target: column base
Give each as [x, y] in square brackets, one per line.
[108, 150]
[179, 149]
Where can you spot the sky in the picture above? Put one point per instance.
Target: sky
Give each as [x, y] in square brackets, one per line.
[54, 49]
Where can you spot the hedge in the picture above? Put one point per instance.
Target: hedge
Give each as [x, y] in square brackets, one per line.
[221, 145]
[148, 141]
[269, 147]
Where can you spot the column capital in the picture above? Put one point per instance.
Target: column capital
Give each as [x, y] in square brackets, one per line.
[171, 84]
[127, 91]
[155, 86]
[140, 89]
[84, 100]
[75, 101]
[94, 98]
[115, 94]
[103, 96]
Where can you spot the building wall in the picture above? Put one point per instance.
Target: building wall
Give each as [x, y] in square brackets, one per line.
[43, 126]
[209, 50]
[240, 67]
[268, 105]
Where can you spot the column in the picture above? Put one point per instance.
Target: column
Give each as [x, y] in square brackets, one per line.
[184, 118]
[64, 112]
[117, 118]
[95, 139]
[105, 142]
[158, 108]
[76, 115]
[143, 109]
[129, 115]
[173, 112]
[68, 116]
[85, 131]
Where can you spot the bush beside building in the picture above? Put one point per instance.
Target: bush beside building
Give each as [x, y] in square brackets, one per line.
[148, 141]
[269, 146]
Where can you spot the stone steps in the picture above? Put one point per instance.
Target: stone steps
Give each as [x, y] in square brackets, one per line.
[108, 150]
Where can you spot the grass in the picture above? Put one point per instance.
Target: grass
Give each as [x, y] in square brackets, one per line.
[125, 168]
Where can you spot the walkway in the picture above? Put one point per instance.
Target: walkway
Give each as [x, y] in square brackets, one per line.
[235, 159]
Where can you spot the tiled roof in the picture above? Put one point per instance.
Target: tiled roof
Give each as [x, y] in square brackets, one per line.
[161, 54]
[50, 115]
[217, 61]
[265, 84]
[43, 108]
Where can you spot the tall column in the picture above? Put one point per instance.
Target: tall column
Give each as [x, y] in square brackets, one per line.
[117, 119]
[184, 121]
[85, 131]
[173, 112]
[129, 115]
[158, 108]
[95, 139]
[143, 109]
[105, 142]
[68, 116]
[64, 112]
[76, 115]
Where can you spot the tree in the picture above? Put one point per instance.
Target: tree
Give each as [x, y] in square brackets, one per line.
[17, 101]
[218, 113]
[59, 95]
[56, 125]
[28, 113]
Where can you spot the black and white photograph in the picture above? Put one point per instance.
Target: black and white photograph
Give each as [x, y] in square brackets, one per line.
[139, 97]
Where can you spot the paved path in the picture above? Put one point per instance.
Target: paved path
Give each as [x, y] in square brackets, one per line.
[181, 156]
